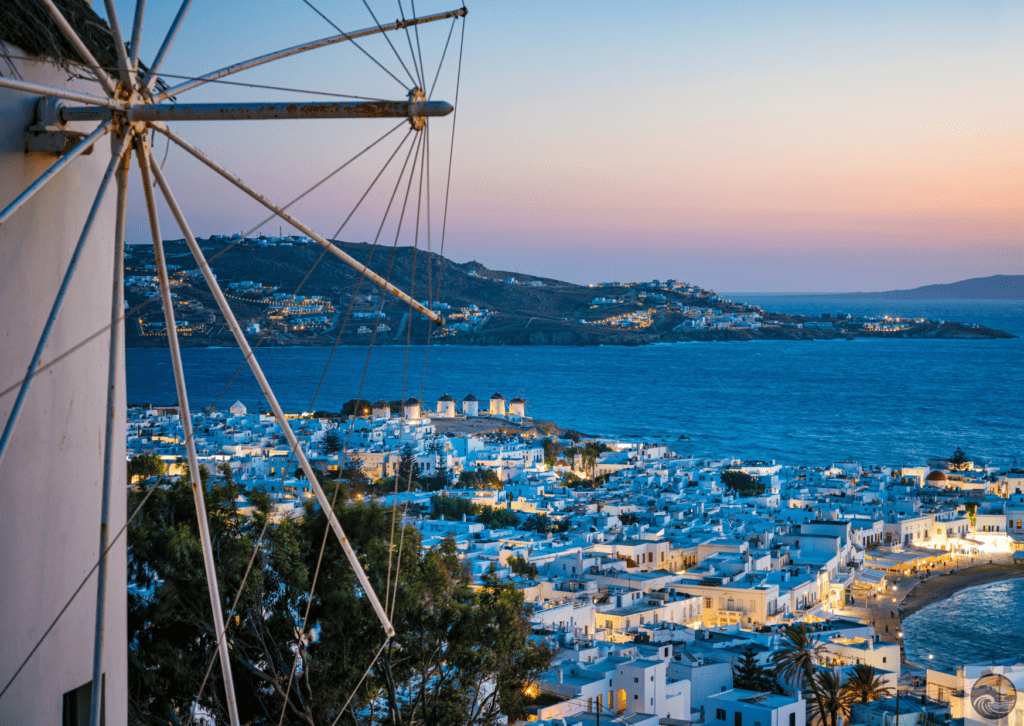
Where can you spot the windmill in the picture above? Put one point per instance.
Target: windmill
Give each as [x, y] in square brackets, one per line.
[62, 403]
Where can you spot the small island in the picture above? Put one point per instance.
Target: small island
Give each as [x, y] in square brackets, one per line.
[286, 293]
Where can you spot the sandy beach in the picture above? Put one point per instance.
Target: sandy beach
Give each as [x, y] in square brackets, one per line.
[885, 611]
[940, 587]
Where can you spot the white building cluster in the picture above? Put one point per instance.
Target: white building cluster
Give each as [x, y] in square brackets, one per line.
[652, 578]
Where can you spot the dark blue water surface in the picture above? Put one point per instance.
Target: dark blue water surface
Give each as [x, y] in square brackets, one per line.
[871, 400]
[969, 627]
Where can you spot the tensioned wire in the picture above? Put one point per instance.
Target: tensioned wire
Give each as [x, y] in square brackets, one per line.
[405, 509]
[312, 405]
[323, 545]
[352, 40]
[419, 71]
[451, 154]
[405, 376]
[374, 16]
[427, 348]
[337, 339]
[419, 49]
[316, 394]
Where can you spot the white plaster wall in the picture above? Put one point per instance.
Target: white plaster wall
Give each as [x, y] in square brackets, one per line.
[50, 479]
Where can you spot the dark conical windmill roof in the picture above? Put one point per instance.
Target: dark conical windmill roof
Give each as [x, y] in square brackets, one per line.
[412, 402]
[381, 404]
[470, 397]
[446, 398]
[517, 399]
[497, 397]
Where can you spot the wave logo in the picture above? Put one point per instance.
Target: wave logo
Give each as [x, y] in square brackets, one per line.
[993, 697]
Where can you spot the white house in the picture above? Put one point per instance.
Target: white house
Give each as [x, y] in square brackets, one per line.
[737, 707]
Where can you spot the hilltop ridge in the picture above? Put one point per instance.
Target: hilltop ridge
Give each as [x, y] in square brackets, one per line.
[287, 292]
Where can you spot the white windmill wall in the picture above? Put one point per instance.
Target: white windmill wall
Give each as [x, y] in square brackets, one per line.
[517, 408]
[51, 476]
[470, 408]
[446, 408]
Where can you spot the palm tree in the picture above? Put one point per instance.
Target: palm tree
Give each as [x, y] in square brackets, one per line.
[831, 698]
[864, 685]
[796, 658]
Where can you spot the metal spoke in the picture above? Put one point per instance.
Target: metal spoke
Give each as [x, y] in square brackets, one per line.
[140, 11]
[268, 393]
[113, 369]
[54, 170]
[145, 160]
[62, 292]
[154, 70]
[80, 47]
[265, 111]
[124, 66]
[323, 42]
[377, 279]
[39, 90]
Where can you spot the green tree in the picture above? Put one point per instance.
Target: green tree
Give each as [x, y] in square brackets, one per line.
[958, 461]
[520, 566]
[453, 507]
[537, 523]
[331, 443]
[480, 479]
[408, 469]
[355, 478]
[497, 517]
[750, 675]
[797, 657]
[971, 509]
[742, 483]
[459, 656]
[864, 685]
[552, 450]
[357, 407]
[830, 698]
[145, 466]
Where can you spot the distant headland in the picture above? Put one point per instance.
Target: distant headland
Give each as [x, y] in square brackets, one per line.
[286, 293]
[994, 287]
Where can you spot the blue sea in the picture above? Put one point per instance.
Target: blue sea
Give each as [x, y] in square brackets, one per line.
[970, 627]
[871, 400]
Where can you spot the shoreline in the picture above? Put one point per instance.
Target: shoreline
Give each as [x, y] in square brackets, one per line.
[941, 587]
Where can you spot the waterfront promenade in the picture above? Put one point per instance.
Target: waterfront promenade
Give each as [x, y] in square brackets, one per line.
[886, 611]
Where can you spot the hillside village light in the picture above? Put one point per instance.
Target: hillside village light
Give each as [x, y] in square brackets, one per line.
[130, 112]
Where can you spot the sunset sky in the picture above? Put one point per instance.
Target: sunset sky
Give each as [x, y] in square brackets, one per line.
[795, 146]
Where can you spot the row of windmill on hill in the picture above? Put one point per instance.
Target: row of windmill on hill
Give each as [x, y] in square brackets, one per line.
[497, 406]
